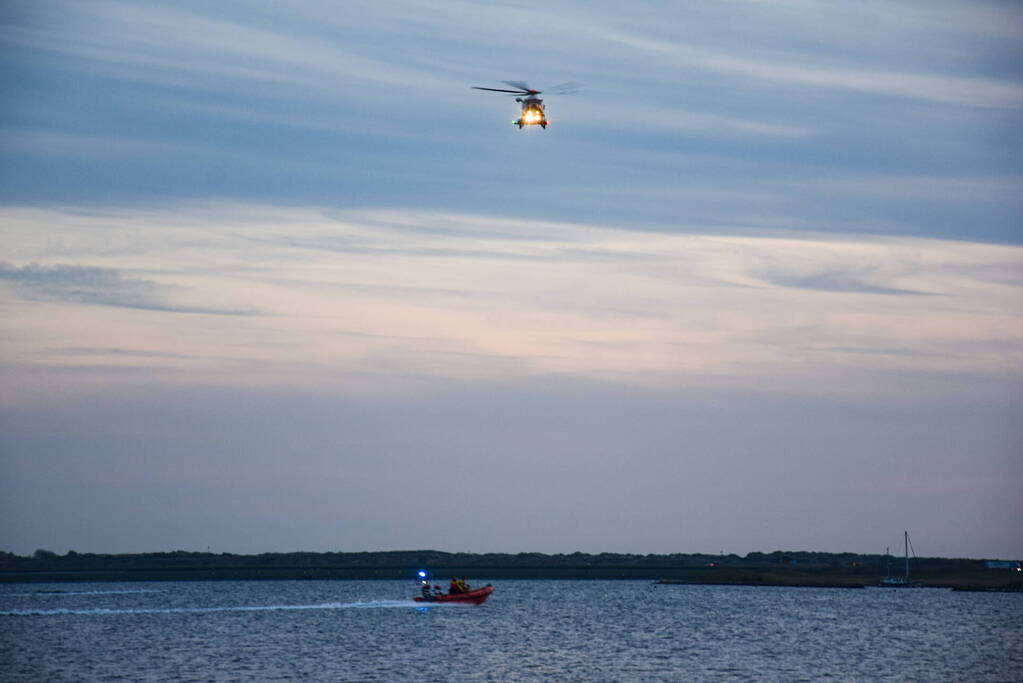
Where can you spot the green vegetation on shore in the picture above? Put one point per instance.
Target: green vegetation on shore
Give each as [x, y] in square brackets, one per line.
[769, 569]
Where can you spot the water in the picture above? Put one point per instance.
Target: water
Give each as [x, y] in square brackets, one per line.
[527, 631]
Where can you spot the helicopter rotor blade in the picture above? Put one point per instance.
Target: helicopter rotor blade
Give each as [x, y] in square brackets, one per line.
[565, 88]
[513, 92]
[521, 85]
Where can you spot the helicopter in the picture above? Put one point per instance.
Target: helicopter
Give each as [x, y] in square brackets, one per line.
[533, 113]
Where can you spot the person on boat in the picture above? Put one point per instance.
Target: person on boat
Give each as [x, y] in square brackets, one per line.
[453, 587]
[463, 587]
[426, 590]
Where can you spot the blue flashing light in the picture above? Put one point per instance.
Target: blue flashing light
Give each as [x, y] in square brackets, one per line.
[422, 574]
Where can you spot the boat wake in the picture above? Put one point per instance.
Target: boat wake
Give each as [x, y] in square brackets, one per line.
[374, 604]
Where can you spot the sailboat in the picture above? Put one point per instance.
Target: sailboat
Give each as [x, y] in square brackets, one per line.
[903, 581]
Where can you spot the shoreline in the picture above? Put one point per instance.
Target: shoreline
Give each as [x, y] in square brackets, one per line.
[495, 574]
[780, 568]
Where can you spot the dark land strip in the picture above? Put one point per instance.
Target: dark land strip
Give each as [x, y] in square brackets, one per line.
[780, 568]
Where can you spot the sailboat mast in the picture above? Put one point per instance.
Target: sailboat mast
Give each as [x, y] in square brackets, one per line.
[906, 543]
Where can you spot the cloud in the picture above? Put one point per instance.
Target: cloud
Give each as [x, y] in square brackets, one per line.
[107, 147]
[837, 279]
[996, 189]
[207, 52]
[806, 361]
[306, 50]
[716, 114]
[96, 286]
[391, 300]
[694, 279]
[679, 120]
[116, 352]
[769, 60]
[984, 92]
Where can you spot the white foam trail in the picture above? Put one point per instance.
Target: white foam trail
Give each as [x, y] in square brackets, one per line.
[375, 604]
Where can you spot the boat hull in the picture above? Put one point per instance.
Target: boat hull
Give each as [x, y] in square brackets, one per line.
[473, 597]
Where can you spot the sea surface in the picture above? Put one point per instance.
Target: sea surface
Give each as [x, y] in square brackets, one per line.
[527, 631]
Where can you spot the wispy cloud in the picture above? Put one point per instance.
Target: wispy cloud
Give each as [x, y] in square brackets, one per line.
[977, 91]
[96, 286]
[292, 226]
[424, 294]
[131, 40]
[837, 278]
[679, 120]
[114, 351]
[1001, 189]
[692, 112]
[766, 55]
[113, 146]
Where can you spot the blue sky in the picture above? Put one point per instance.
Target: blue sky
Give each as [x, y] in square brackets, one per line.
[276, 278]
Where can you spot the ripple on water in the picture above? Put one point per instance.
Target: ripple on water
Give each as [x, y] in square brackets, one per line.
[529, 630]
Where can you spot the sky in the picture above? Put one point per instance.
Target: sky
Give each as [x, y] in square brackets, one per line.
[273, 277]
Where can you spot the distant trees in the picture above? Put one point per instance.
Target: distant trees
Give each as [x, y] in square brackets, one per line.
[396, 564]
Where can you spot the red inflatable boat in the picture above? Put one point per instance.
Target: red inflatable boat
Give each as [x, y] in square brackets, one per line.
[477, 596]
